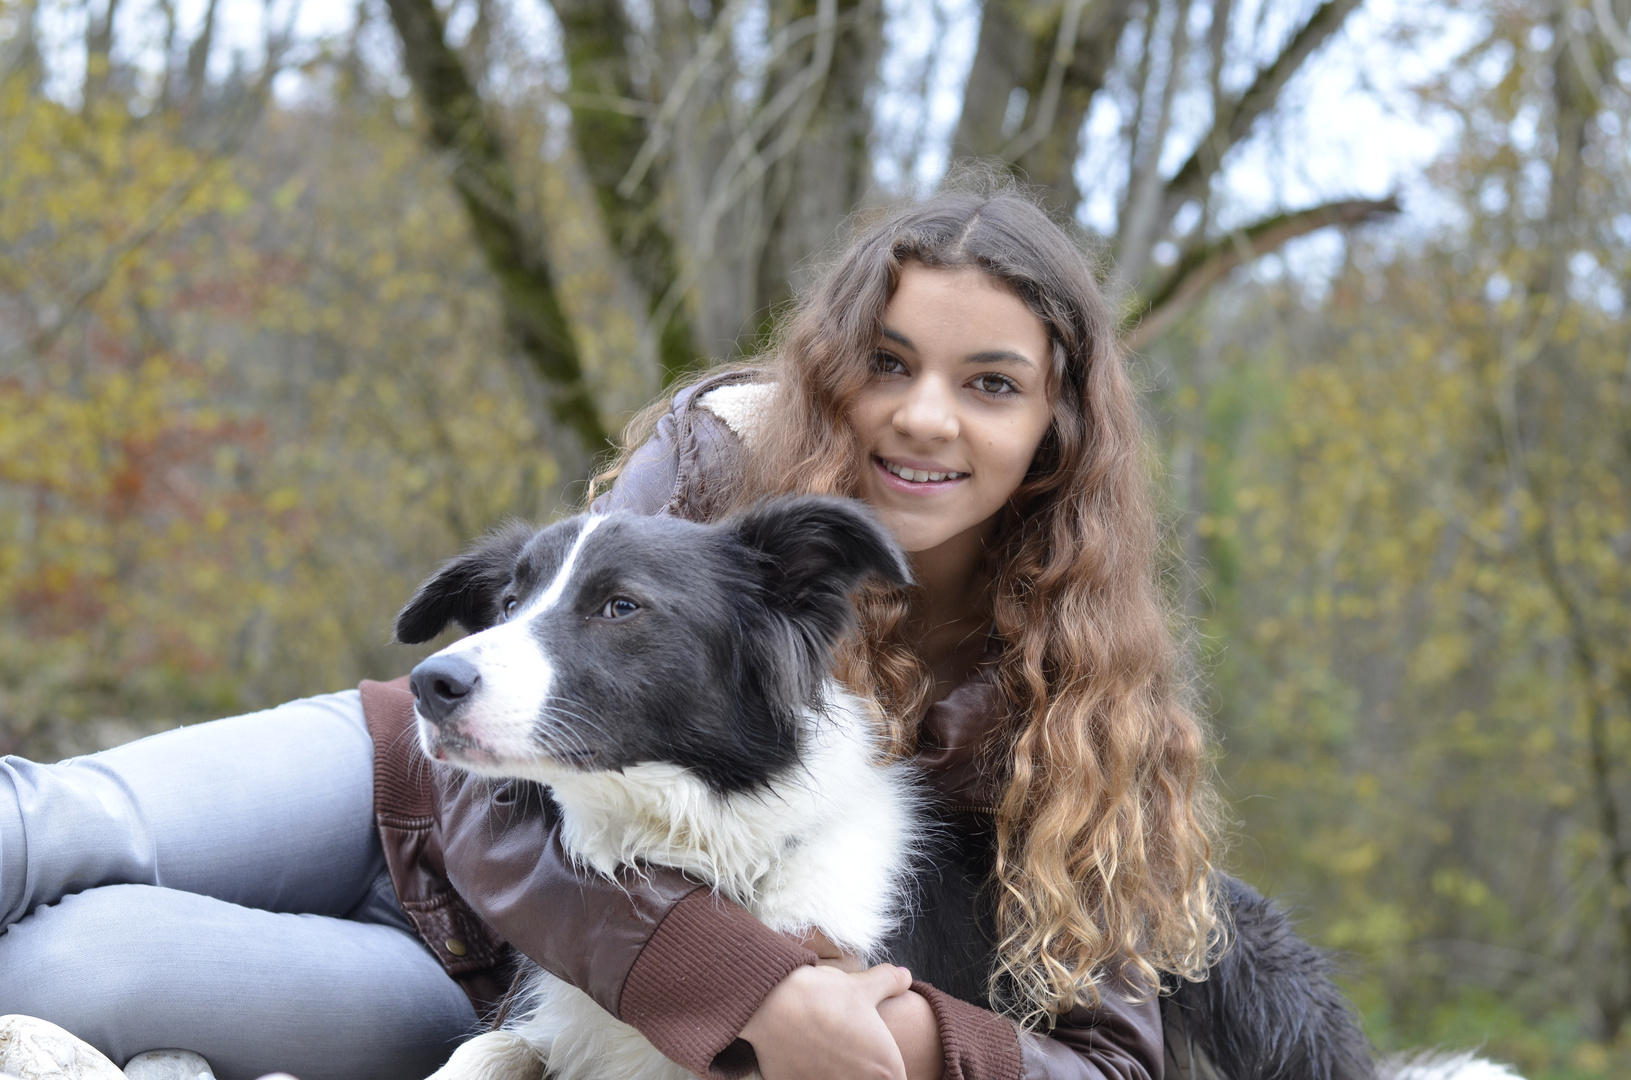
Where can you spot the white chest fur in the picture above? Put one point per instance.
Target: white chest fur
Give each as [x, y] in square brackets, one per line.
[825, 847]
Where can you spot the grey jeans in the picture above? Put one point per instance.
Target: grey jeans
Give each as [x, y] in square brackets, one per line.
[221, 888]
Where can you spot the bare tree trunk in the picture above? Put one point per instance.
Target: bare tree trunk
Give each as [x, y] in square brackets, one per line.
[459, 127]
[1021, 49]
[1597, 650]
[98, 51]
[1086, 57]
[1006, 59]
[609, 125]
[699, 134]
[198, 58]
[737, 170]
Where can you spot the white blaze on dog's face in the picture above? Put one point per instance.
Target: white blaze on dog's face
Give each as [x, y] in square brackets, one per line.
[602, 643]
[498, 729]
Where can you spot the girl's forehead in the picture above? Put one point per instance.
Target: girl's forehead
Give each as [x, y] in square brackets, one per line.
[967, 309]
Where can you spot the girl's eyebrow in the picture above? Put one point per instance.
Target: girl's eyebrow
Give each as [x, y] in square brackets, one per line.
[987, 357]
[998, 356]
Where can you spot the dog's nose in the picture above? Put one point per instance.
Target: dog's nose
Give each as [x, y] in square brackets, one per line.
[441, 685]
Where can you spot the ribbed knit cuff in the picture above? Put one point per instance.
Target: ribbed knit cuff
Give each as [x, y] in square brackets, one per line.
[978, 1044]
[402, 793]
[701, 977]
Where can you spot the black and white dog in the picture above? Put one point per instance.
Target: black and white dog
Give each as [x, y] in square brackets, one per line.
[668, 682]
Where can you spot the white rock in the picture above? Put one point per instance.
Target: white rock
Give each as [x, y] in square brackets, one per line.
[34, 1049]
[168, 1065]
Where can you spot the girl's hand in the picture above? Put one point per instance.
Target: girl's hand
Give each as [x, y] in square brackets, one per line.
[821, 1023]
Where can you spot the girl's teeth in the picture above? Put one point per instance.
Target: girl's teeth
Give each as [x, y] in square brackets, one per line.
[918, 476]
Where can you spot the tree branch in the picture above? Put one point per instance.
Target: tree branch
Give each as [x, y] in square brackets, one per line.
[1236, 119]
[1135, 230]
[829, 169]
[1201, 268]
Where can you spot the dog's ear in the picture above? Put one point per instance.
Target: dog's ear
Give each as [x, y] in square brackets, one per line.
[464, 590]
[819, 549]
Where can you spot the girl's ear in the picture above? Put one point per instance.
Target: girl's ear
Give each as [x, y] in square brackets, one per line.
[819, 550]
[464, 590]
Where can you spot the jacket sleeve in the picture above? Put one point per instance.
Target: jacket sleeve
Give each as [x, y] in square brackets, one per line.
[653, 947]
[1120, 1040]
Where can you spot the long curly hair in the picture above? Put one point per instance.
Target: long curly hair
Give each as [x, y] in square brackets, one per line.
[1103, 847]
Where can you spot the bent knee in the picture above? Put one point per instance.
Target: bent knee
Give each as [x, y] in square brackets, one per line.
[130, 968]
[82, 961]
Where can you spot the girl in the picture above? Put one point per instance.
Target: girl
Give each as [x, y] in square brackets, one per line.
[224, 887]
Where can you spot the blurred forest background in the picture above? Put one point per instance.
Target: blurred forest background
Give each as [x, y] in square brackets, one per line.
[288, 314]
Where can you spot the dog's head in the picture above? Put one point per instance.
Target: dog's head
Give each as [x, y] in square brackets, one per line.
[605, 642]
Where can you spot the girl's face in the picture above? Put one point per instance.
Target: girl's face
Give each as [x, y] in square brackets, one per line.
[957, 406]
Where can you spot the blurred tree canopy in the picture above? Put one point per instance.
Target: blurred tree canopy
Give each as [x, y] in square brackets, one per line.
[287, 316]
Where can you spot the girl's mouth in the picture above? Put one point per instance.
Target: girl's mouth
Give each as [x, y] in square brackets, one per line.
[916, 477]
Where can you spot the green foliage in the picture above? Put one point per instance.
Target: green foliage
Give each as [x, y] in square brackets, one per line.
[1409, 502]
[228, 452]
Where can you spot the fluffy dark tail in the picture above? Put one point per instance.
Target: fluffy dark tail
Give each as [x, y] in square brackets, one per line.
[1268, 1010]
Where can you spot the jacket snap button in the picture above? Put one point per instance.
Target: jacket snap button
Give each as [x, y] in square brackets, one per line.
[455, 946]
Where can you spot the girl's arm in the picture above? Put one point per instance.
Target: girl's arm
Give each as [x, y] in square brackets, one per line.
[816, 1026]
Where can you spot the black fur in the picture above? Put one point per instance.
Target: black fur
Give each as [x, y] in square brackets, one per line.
[947, 938]
[465, 589]
[811, 553]
[1268, 1010]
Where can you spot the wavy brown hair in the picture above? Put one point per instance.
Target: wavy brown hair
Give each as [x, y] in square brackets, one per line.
[1102, 832]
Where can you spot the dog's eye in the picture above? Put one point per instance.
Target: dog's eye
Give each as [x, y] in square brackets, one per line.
[619, 608]
[510, 604]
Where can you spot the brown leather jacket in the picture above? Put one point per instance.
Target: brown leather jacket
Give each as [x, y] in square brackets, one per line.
[654, 948]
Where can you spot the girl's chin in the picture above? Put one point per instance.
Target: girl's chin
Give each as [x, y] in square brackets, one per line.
[918, 536]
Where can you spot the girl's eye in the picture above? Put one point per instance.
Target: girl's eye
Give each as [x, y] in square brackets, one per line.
[887, 363]
[619, 608]
[510, 604]
[995, 384]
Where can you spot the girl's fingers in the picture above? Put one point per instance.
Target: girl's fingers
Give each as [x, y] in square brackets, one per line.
[884, 981]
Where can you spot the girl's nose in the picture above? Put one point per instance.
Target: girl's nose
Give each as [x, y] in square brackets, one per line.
[929, 411]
